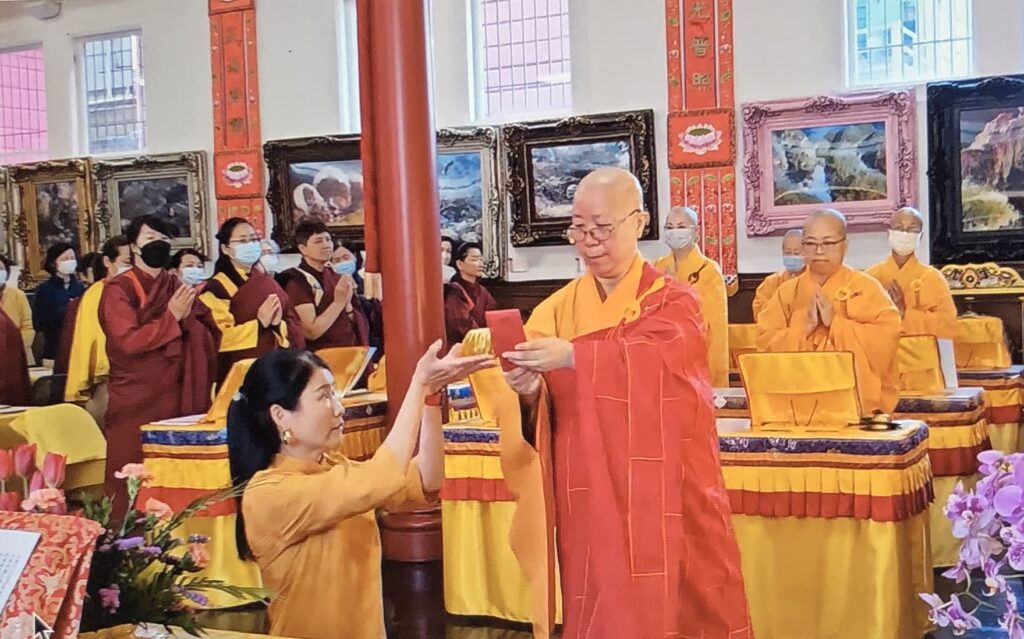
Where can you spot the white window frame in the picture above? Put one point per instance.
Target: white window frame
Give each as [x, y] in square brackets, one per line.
[478, 75]
[44, 153]
[850, 39]
[348, 65]
[82, 109]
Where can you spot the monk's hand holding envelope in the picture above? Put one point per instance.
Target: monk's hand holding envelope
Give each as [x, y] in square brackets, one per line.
[542, 355]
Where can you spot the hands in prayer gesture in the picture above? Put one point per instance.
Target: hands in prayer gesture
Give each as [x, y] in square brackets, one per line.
[343, 291]
[819, 312]
[269, 313]
[896, 293]
[434, 373]
[181, 302]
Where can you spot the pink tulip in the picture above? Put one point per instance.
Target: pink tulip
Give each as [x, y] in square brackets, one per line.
[25, 460]
[10, 501]
[158, 509]
[36, 483]
[6, 464]
[137, 472]
[54, 466]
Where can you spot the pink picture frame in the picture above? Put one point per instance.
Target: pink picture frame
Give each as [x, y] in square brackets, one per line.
[854, 152]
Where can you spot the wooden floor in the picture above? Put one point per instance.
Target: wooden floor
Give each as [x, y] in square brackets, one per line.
[413, 609]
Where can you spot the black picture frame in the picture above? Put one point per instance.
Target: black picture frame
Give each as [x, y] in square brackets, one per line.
[947, 101]
[527, 226]
[280, 156]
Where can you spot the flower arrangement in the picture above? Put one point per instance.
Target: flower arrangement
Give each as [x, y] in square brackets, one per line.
[989, 521]
[141, 572]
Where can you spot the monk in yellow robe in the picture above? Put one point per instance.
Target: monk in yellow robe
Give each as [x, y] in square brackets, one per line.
[792, 266]
[831, 307]
[919, 291]
[687, 264]
[632, 482]
[88, 366]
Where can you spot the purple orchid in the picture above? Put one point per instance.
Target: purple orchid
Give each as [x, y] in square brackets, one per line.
[974, 551]
[994, 581]
[971, 514]
[958, 573]
[110, 598]
[1011, 621]
[129, 543]
[959, 619]
[991, 462]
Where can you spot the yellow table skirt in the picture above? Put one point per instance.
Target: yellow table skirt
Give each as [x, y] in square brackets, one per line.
[126, 632]
[874, 571]
[945, 547]
[481, 575]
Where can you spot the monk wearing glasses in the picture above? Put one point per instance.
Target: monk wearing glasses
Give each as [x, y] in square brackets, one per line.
[831, 307]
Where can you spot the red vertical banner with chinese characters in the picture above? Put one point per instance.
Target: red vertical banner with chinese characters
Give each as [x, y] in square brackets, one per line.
[237, 147]
[701, 130]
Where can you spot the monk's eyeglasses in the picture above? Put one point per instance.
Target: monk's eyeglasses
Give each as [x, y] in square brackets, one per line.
[827, 245]
[599, 233]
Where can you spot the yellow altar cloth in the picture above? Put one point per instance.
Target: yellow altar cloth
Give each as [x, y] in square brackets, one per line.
[980, 343]
[1004, 398]
[742, 339]
[126, 632]
[66, 429]
[958, 432]
[189, 459]
[846, 509]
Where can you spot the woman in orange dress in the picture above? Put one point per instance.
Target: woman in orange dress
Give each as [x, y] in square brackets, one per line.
[306, 515]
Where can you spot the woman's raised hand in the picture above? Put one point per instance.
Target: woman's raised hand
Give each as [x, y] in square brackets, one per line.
[434, 372]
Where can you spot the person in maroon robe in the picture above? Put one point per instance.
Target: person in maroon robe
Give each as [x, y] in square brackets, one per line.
[324, 293]
[162, 345]
[466, 301]
[15, 385]
[252, 311]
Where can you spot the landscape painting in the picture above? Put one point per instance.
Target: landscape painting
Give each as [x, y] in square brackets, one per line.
[992, 169]
[557, 170]
[855, 153]
[545, 161]
[976, 171]
[829, 164]
[171, 186]
[460, 192]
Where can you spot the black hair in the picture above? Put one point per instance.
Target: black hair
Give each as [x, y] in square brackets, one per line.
[307, 228]
[460, 253]
[223, 263]
[52, 253]
[180, 256]
[6, 263]
[277, 378]
[89, 261]
[111, 250]
[150, 220]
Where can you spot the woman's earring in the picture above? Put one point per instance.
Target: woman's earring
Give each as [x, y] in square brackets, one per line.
[286, 437]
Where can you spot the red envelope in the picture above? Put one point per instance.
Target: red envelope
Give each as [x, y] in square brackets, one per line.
[506, 331]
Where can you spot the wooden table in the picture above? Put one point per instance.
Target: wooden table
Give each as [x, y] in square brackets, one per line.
[833, 529]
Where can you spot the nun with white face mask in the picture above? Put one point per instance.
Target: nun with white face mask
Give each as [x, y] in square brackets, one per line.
[919, 291]
[688, 264]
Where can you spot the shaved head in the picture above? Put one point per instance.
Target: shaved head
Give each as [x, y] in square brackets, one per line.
[824, 243]
[791, 242]
[609, 199]
[681, 217]
[907, 219]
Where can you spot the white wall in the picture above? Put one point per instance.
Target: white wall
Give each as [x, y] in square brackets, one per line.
[784, 49]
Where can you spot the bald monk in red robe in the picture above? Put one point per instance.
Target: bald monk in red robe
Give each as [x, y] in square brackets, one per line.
[645, 540]
[162, 345]
[15, 385]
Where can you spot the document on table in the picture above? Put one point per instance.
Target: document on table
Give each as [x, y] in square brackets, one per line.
[16, 547]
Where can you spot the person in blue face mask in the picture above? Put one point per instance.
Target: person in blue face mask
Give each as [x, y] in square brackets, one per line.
[792, 266]
[324, 291]
[188, 264]
[253, 312]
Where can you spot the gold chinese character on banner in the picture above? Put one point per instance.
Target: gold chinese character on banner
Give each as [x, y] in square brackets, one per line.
[699, 11]
[701, 80]
[699, 46]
